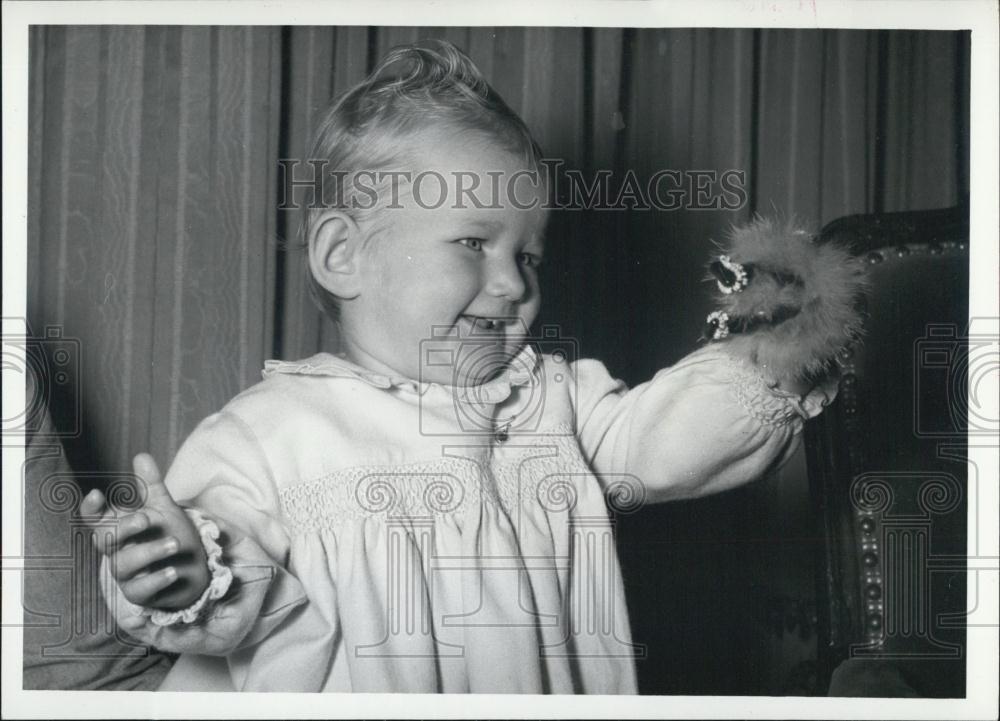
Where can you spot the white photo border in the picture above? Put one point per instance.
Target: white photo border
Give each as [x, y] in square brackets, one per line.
[981, 16]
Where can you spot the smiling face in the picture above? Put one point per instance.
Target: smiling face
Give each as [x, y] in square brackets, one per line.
[447, 294]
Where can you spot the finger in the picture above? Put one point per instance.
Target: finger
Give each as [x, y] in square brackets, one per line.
[92, 505]
[145, 468]
[123, 529]
[142, 589]
[138, 557]
[111, 533]
[96, 514]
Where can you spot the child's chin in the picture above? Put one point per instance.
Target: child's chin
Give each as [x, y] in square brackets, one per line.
[465, 363]
[480, 364]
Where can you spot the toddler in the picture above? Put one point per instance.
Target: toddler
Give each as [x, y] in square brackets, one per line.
[430, 510]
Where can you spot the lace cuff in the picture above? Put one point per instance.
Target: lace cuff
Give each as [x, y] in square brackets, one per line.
[222, 578]
[764, 400]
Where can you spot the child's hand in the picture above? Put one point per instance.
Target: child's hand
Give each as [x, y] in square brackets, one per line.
[155, 553]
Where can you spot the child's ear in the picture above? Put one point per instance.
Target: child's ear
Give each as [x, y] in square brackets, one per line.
[334, 245]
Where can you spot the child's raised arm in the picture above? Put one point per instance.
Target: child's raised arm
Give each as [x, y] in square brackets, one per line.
[733, 410]
[705, 425]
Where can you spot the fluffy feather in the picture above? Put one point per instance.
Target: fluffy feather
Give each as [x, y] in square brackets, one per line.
[798, 307]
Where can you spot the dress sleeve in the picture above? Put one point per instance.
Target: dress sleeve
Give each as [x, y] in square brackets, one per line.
[263, 622]
[707, 424]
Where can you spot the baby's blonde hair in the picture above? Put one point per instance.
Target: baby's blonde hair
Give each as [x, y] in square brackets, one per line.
[415, 88]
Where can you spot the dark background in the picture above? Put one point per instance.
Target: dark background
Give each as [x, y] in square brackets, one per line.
[156, 243]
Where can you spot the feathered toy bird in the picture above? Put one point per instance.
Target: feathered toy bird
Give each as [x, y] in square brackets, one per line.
[786, 302]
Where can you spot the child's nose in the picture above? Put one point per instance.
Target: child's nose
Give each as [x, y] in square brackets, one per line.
[505, 280]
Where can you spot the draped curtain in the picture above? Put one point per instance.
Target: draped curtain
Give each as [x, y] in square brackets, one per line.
[156, 242]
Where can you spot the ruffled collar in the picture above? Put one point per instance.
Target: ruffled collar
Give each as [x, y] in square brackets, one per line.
[520, 371]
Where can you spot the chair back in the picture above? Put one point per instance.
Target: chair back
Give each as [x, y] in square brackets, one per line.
[887, 461]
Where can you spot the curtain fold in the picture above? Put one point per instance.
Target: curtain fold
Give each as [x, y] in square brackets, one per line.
[152, 239]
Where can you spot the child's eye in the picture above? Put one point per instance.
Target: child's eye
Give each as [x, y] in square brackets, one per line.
[529, 260]
[472, 243]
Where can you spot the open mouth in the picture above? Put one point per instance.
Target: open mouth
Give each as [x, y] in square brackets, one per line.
[486, 324]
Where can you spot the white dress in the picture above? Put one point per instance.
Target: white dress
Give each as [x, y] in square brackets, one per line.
[388, 535]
